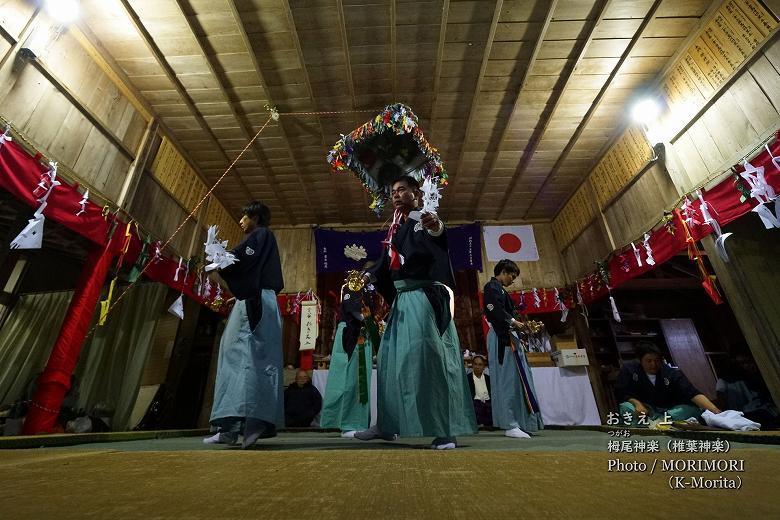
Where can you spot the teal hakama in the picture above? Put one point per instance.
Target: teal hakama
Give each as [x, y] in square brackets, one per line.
[249, 389]
[422, 388]
[249, 371]
[507, 398]
[342, 407]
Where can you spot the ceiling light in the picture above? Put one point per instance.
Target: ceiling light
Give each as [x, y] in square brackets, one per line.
[63, 11]
[646, 111]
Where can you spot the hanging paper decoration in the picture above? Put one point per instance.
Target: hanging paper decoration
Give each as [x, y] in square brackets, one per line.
[561, 305]
[206, 288]
[31, 237]
[47, 183]
[615, 313]
[177, 307]
[216, 251]
[668, 223]
[5, 136]
[708, 281]
[157, 252]
[309, 324]
[624, 263]
[140, 262]
[648, 250]
[763, 193]
[537, 299]
[105, 305]
[176, 273]
[720, 241]
[83, 204]
[385, 148]
[637, 255]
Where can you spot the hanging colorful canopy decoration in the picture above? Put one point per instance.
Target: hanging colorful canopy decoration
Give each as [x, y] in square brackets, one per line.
[387, 147]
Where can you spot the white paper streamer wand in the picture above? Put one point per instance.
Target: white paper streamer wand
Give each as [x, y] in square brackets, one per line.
[720, 241]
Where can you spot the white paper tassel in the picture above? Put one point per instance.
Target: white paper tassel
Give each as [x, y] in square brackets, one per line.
[775, 160]
[431, 194]
[648, 250]
[637, 255]
[615, 313]
[763, 193]
[83, 203]
[537, 299]
[720, 241]
[31, 236]
[176, 274]
[216, 251]
[177, 307]
[5, 136]
[48, 182]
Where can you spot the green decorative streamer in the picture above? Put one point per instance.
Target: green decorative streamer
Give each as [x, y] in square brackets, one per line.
[741, 188]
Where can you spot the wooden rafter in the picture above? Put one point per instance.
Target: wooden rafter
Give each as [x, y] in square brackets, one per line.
[393, 56]
[159, 57]
[596, 102]
[553, 104]
[310, 91]
[350, 82]
[241, 117]
[445, 11]
[478, 87]
[517, 104]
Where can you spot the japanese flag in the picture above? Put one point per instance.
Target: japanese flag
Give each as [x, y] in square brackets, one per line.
[511, 242]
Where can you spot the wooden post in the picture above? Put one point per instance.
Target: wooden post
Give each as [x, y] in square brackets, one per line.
[126, 196]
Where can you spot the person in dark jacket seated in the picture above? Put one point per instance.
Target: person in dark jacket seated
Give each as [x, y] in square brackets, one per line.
[651, 388]
[302, 401]
[479, 384]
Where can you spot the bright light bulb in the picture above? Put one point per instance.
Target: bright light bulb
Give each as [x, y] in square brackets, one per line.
[646, 111]
[63, 11]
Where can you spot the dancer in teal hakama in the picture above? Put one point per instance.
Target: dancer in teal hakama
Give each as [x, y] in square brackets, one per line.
[512, 396]
[248, 392]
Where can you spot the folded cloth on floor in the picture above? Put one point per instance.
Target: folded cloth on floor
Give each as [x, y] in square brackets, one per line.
[730, 420]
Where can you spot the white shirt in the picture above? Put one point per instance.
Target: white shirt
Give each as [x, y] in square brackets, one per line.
[651, 377]
[480, 388]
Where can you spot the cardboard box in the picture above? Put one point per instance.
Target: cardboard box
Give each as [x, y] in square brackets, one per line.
[570, 357]
[539, 359]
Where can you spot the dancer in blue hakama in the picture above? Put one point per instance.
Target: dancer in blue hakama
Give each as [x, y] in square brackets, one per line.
[248, 393]
[512, 396]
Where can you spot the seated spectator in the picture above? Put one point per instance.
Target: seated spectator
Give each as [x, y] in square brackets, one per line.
[651, 388]
[302, 402]
[742, 388]
[479, 384]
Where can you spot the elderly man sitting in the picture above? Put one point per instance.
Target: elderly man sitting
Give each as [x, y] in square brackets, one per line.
[302, 401]
[651, 388]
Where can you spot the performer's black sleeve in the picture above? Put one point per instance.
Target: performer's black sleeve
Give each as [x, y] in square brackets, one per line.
[684, 391]
[495, 306]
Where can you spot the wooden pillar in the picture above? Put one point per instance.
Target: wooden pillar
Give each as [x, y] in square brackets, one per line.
[582, 331]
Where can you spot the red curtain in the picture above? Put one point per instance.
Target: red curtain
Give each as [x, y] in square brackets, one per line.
[54, 382]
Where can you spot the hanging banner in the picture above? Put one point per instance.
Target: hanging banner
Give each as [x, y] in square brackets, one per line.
[465, 247]
[339, 251]
[309, 328]
[511, 242]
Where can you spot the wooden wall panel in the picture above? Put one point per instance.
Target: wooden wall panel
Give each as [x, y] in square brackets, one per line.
[590, 246]
[297, 252]
[743, 116]
[641, 206]
[160, 215]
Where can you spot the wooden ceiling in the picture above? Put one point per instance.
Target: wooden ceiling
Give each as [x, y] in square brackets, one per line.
[520, 97]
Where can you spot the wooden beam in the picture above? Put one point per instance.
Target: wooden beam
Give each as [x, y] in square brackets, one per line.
[597, 101]
[552, 107]
[350, 86]
[445, 11]
[215, 69]
[526, 74]
[82, 107]
[158, 55]
[142, 156]
[393, 55]
[475, 98]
